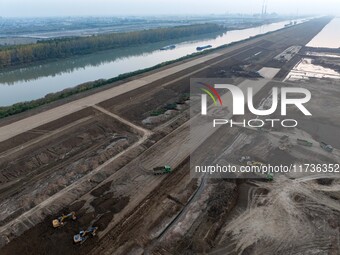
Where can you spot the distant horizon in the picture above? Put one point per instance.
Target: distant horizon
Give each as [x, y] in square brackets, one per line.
[63, 8]
[165, 15]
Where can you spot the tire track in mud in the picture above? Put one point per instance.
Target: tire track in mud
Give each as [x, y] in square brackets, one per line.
[122, 228]
[43, 206]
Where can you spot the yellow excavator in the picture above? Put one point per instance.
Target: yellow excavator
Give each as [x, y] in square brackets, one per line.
[61, 220]
[254, 163]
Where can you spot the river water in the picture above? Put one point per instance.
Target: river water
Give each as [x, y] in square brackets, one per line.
[329, 37]
[34, 82]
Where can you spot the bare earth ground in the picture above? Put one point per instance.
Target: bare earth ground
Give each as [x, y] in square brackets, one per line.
[95, 155]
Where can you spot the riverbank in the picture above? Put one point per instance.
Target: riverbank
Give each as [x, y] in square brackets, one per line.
[62, 48]
[104, 84]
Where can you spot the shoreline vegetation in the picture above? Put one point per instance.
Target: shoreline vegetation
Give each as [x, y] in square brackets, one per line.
[6, 111]
[56, 49]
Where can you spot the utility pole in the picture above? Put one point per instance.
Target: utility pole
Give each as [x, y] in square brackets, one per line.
[262, 9]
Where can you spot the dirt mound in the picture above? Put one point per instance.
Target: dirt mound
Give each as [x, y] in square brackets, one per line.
[109, 203]
[304, 210]
[102, 189]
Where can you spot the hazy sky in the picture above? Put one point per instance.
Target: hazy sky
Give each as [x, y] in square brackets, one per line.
[150, 7]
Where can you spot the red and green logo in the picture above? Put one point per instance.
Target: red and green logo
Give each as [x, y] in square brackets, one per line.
[212, 92]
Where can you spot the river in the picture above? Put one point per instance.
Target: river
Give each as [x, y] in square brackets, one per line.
[34, 82]
[329, 37]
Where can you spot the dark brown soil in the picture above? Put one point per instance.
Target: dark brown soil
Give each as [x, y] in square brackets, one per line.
[104, 220]
[102, 189]
[43, 239]
[110, 203]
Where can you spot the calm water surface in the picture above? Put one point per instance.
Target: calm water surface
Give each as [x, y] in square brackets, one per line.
[329, 37]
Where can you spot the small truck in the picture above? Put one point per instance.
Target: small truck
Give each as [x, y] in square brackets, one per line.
[304, 142]
[162, 170]
[326, 147]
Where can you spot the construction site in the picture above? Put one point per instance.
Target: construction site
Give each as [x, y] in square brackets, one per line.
[109, 172]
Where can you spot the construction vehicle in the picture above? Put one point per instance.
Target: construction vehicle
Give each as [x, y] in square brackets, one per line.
[254, 163]
[304, 142]
[326, 147]
[249, 162]
[84, 234]
[244, 159]
[284, 139]
[270, 177]
[61, 220]
[265, 177]
[162, 170]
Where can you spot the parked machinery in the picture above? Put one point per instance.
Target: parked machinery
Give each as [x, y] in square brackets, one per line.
[162, 170]
[326, 147]
[84, 235]
[61, 220]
